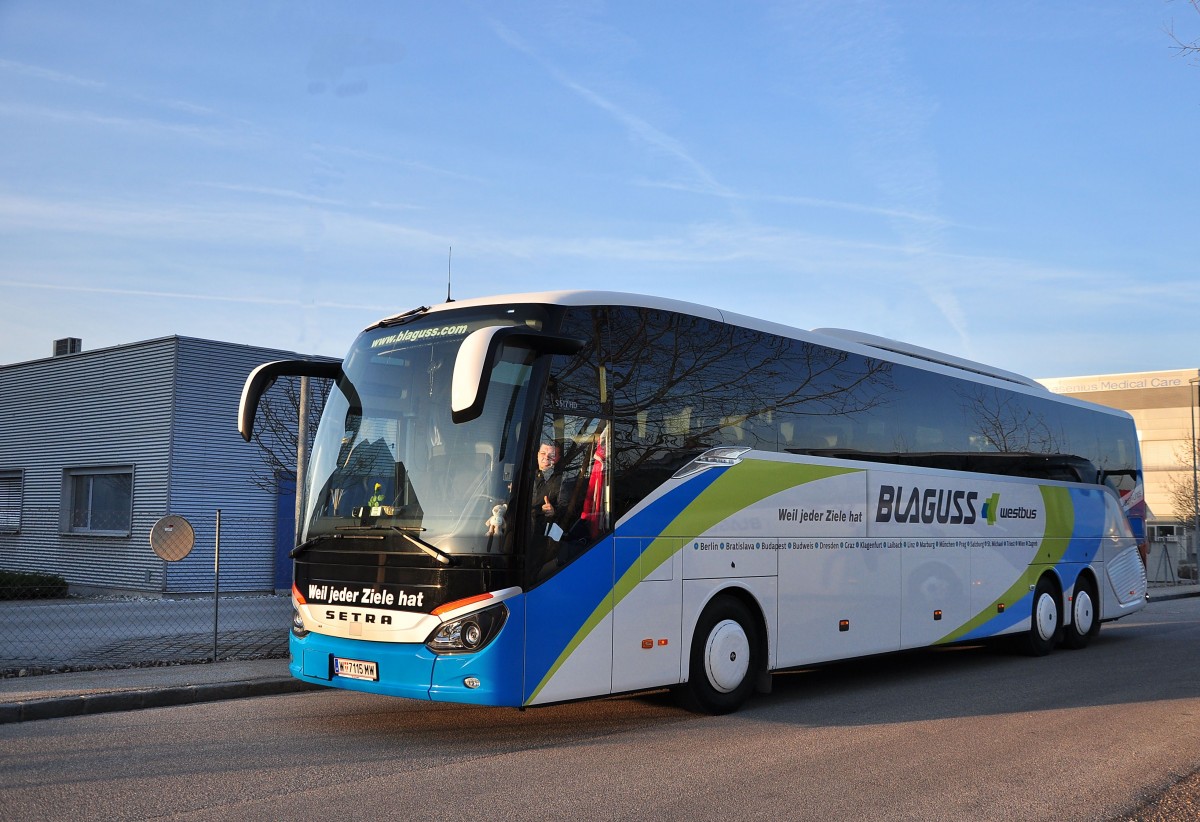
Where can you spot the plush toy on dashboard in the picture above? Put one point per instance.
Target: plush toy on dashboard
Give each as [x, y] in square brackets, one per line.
[495, 524]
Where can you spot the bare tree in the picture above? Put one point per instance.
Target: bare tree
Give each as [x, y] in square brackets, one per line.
[1181, 485]
[275, 430]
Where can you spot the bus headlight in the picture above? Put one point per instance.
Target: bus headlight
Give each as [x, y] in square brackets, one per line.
[298, 622]
[469, 633]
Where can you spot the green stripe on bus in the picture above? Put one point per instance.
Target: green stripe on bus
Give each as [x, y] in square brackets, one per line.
[1056, 537]
[741, 486]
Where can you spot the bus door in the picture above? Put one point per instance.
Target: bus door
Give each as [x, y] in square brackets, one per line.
[570, 554]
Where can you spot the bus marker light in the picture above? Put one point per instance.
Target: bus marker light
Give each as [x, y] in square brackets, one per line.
[999, 607]
[937, 615]
[662, 643]
[299, 597]
[472, 682]
[460, 603]
[844, 625]
[647, 644]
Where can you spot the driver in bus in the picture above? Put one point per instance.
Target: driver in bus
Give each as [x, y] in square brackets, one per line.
[551, 495]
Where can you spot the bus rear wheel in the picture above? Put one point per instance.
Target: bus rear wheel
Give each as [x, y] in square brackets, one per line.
[1045, 628]
[1085, 622]
[726, 658]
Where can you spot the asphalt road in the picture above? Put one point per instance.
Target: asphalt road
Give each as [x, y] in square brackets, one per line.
[972, 733]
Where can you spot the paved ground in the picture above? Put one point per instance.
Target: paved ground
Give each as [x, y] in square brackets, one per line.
[99, 691]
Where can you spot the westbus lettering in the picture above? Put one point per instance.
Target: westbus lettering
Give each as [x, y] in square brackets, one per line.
[1020, 512]
[926, 506]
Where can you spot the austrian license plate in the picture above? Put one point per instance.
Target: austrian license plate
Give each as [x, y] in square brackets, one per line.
[355, 669]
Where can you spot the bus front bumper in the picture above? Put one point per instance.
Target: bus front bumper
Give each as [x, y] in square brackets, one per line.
[491, 676]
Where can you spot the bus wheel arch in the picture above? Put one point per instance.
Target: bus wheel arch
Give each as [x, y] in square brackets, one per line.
[1046, 622]
[728, 654]
[1084, 609]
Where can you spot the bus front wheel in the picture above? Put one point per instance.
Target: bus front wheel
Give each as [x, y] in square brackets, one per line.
[726, 658]
[1046, 627]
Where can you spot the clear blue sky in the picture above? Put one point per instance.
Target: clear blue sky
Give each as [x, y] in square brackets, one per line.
[1011, 182]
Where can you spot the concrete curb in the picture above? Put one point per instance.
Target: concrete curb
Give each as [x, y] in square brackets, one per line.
[133, 700]
[1162, 595]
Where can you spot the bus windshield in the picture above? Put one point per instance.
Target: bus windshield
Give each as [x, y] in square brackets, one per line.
[387, 459]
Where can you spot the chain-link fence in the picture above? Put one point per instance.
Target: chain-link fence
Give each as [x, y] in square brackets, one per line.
[177, 618]
[43, 636]
[1171, 563]
[71, 601]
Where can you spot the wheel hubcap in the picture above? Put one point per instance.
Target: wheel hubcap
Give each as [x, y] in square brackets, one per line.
[1083, 613]
[727, 656]
[1047, 617]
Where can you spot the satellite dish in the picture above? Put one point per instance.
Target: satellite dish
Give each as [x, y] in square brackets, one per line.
[172, 538]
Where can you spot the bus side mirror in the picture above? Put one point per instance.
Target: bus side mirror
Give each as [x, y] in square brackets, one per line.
[477, 357]
[263, 377]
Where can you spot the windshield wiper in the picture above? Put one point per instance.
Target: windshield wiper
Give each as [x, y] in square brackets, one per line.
[400, 319]
[308, 543]
[433, 551]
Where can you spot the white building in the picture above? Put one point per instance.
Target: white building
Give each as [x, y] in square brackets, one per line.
[1164, 406]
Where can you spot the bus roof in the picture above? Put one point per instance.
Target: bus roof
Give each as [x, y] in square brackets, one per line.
[853, 341]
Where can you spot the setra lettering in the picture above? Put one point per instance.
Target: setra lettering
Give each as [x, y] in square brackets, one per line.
[357, 616]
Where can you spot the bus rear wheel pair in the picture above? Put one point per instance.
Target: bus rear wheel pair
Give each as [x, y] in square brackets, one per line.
[727, 656]
[1047, 629]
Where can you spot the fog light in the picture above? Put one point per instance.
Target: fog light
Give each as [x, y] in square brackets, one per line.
[472, 682]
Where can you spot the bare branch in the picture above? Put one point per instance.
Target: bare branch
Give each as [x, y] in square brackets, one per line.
[1182, 47]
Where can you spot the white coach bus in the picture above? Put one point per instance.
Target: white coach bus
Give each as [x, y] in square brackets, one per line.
[718, 498]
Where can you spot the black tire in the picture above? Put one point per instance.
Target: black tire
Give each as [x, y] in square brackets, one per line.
[726, 658]
[1045, 629]
[1085, 615]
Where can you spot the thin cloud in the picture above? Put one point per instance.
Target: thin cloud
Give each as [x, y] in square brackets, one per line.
[40, 73]
[812, 202]
[180, 295]
[299, 196]
[635, 125]
[140, 125]
[393, 160]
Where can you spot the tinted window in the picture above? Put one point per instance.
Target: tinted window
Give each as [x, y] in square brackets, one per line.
[674, 385]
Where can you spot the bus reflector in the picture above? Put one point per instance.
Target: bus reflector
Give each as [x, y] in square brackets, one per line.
[647, 644]
[298, 596]
[460, 603]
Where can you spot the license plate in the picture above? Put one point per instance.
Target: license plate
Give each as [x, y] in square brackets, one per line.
[355, 669]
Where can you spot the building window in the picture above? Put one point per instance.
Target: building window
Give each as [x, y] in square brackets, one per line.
[11, 487]
[98, 500]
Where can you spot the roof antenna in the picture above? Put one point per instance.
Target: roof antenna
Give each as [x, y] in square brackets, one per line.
[449, 257]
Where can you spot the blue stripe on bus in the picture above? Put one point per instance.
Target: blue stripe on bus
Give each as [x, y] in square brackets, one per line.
[1082, 549]
[575, 591]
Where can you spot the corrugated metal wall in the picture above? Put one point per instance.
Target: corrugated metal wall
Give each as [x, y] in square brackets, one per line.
[212, 467]
[110, 407]
[167, 407]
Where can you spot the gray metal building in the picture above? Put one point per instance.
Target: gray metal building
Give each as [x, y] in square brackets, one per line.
[96, 446]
